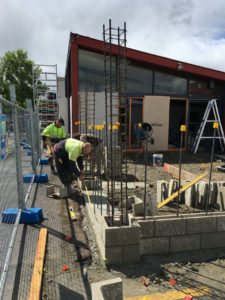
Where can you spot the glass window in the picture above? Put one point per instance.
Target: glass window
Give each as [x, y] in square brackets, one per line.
[91, 68]
[139, 80]
[201, 87]
[169, 84]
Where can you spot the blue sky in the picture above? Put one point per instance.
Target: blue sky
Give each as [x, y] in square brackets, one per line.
[187, 30]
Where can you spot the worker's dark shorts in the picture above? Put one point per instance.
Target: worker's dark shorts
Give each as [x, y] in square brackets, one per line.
[65, 168]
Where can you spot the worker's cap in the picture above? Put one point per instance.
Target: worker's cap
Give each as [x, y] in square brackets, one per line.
[61, 120]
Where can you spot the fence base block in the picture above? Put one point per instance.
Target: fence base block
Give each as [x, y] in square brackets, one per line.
[29, 153]
[27, 147]
[38, 178]
[44, 162]
[30, 215]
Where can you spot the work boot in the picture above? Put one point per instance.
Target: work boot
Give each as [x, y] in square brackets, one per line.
[70, 190]
[53, 171]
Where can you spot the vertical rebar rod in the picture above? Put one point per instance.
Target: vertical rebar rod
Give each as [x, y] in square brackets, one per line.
[86, 108]
[111, 121]
[125, 119]
[146, 169]
[210, 172]
[106, 119]
[179, 178]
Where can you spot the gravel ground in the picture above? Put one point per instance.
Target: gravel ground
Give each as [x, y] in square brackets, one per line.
[193, 269]
[189, 270]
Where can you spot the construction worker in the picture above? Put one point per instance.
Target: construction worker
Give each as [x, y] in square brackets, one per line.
[67, 153]
[51, 135]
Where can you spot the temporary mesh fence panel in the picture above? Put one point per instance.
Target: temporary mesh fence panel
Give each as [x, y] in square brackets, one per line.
[18, 162]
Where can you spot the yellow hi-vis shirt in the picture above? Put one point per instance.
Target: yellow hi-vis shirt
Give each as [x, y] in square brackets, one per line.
[73, 148]
[53, 131]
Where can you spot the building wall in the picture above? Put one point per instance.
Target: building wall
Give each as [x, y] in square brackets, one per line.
[143, 79]
[63, 105]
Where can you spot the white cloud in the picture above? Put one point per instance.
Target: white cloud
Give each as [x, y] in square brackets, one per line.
[186, 30]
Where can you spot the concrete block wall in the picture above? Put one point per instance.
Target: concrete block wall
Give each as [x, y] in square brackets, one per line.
[157, 235]
[121, 243]
[190, 232]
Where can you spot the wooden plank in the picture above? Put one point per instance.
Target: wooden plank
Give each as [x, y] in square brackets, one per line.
[35, 287]
[174, 171]
[182, 190]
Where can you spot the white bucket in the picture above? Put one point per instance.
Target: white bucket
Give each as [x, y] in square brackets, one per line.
[157, 159]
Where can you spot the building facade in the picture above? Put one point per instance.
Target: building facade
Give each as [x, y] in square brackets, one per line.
[164, 92]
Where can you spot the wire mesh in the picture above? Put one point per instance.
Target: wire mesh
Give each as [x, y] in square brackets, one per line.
[19, 157]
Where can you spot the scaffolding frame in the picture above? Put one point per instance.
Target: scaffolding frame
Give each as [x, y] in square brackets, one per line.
[45, 92]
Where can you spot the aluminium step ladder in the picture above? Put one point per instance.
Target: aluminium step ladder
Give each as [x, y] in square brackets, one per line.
[212, 104]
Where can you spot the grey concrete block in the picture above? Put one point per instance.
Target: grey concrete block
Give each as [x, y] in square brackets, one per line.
[124, 235]
[220, 223]
[49, 190]
[62, 192]
[162, 190]
[114, 255]
[131, 254]
[221, 197]
[173, 186]
[107, 289]
[138, 208]
[203, 190]
[152, 206]
[213, 240]
[170, 227]
[190, 196]
[213, 193]
[154, 246]
[196, 201]
[201, 224]
[147, 228]
[185, 243]
[130, 201]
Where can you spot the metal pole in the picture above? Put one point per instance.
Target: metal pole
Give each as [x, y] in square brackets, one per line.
[31, 120]
[19, 175]
[215, 127]
[182, 129]
[37, 131]
[71, 118]
[146, 166]
[138, 141]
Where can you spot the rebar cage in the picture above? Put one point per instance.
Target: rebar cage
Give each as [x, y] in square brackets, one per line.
[116, 120]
